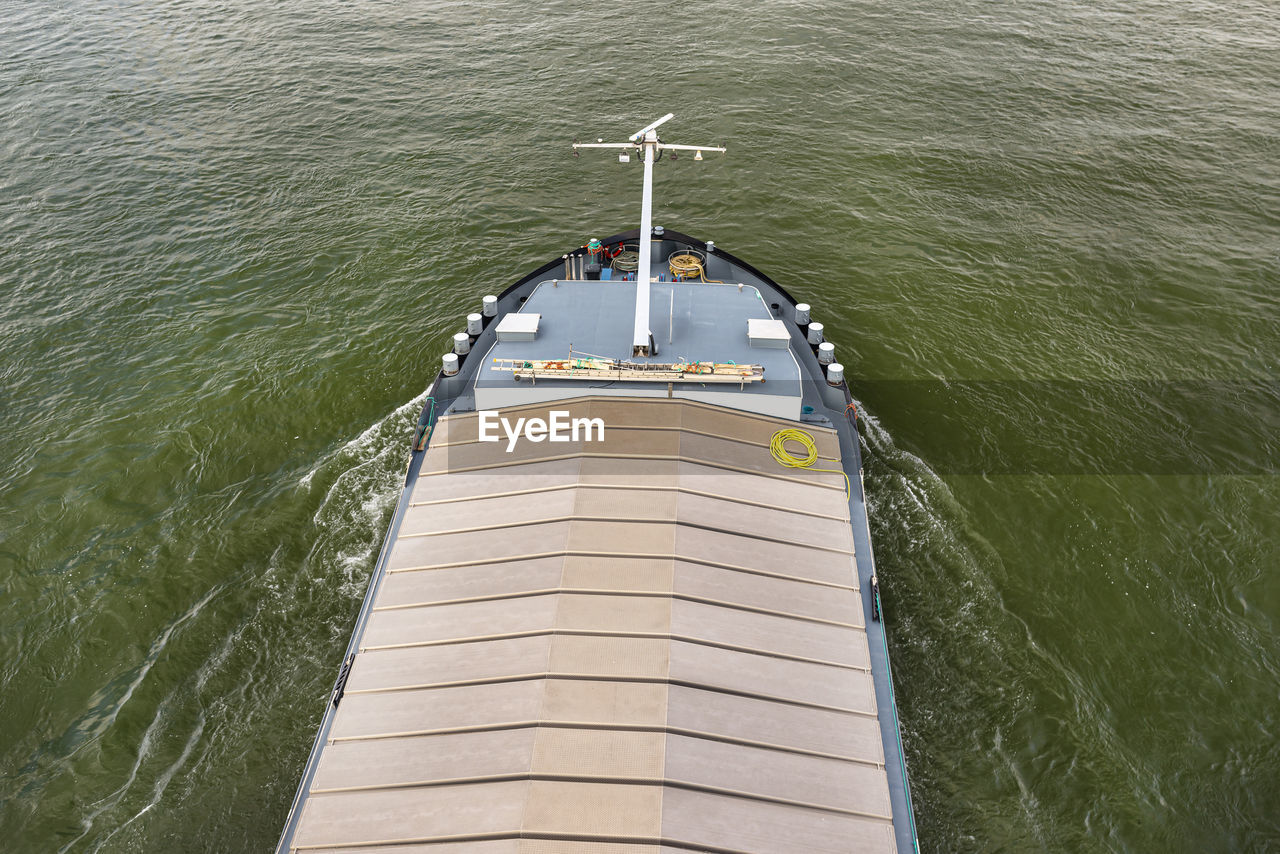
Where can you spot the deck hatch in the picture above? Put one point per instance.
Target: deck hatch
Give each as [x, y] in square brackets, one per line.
[519, 326]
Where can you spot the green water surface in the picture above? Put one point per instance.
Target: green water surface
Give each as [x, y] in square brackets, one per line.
[1044, 236]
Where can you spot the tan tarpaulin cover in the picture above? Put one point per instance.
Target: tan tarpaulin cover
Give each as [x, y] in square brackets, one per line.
[648, 643]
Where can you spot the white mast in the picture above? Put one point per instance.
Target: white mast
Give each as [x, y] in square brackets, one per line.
[645, 142]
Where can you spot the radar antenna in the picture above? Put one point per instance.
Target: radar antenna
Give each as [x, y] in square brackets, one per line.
[645, 143]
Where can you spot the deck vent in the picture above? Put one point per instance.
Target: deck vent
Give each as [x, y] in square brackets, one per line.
[768, 333]
[518, 326]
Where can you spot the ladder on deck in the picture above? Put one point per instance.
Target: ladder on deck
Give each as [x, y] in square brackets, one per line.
[627, 371]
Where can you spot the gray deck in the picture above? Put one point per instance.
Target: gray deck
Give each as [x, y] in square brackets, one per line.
[703, 322]
[650, 643]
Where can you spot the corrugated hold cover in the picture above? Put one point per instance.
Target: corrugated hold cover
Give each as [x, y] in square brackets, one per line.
[647, 644]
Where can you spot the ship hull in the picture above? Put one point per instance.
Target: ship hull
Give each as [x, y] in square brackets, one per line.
[659, 637]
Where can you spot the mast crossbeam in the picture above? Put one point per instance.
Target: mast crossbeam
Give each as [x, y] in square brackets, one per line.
[646, 143]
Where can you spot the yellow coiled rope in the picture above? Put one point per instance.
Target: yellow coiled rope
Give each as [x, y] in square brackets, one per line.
[784, 457]
[689, 265]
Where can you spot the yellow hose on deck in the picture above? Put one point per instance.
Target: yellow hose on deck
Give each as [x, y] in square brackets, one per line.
[784, 457]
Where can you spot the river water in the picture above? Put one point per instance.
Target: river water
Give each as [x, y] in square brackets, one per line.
[1044, 236]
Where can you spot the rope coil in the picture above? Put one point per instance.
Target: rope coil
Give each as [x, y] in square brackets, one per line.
[627, 259]
[784, 457]
[688, 264]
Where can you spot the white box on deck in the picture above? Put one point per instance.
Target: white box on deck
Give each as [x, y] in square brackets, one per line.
[518, 326]
[762, 332]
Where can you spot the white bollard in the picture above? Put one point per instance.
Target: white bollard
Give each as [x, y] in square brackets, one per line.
[826, 353]
[449, 364]
[802, 313]
[462, 343]
[835, 373]
[815, 333]
[490, 306]
[475, 324]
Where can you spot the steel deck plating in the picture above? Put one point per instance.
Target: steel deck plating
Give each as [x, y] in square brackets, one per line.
[693, 322]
